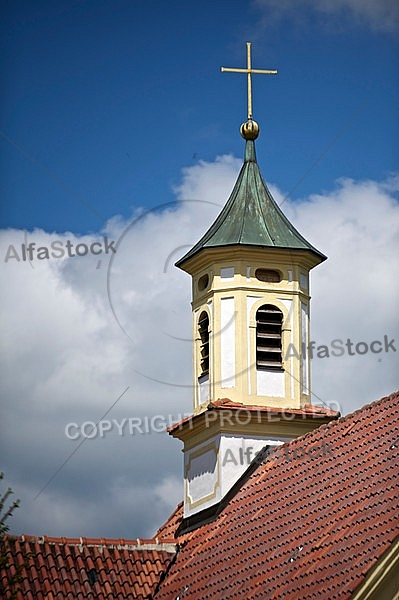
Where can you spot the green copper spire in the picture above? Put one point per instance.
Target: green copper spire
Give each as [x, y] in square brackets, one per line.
[251, 217]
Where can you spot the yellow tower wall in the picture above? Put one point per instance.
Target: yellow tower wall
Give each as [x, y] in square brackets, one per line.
[231, 299]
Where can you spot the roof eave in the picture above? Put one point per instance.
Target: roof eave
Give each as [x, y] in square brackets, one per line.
[191, 260]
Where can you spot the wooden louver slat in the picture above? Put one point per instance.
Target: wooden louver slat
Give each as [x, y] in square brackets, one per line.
[269, 321]
[203, 330]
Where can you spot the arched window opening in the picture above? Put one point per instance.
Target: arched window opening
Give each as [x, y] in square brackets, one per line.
[203, 330]
[269, 321]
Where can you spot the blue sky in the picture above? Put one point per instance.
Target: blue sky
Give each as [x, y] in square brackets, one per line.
[124, 103]
[115, 98]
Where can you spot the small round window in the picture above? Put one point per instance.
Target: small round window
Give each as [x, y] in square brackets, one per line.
[203, 282]
[268, 275]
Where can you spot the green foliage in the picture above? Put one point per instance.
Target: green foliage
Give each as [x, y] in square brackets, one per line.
[10, 588]
[4, 516]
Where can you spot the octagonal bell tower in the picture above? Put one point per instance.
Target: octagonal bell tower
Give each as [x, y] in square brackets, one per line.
[251, 300]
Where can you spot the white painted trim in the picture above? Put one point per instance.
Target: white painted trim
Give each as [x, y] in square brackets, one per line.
[227, 343]
[304, 355]
[250, 302]
[270, 383]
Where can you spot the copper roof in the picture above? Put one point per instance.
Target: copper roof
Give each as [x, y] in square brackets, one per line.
[302, 526]
[251, 217]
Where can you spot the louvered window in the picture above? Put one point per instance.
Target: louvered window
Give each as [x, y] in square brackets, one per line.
[203, 330]
[269, 320]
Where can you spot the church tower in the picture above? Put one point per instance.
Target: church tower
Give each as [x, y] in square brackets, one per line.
[250, 319]
[250, 286]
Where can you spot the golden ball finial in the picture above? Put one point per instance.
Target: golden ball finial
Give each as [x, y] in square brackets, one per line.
[249, 130]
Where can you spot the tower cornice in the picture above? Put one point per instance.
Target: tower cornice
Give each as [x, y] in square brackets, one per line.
[283, 255]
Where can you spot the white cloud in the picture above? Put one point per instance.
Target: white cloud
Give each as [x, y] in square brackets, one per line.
[66, 359]
[355, 292]
[380, 15]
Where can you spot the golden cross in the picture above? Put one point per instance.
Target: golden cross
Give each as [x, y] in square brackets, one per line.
[249, 72]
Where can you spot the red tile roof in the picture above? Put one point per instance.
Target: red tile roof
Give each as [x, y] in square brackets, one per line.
[168, 529]
[307, 409]
[301, 526]
[61, 568]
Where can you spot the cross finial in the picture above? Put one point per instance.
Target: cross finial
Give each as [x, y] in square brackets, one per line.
[249, 72]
